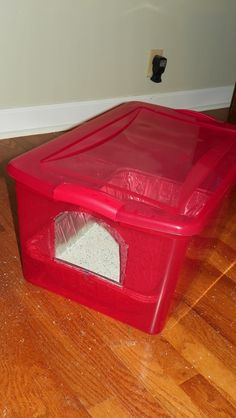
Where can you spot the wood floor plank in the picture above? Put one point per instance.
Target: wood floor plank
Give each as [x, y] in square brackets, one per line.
[158, 382]
[109, 408]
[232, 273]
[203, 360]
[208, 399]
[211, 337]
[217, 307]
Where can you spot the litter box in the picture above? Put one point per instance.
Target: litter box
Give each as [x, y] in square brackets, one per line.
[108, 210]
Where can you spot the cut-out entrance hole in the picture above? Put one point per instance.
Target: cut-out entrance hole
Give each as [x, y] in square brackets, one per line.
[85, 243]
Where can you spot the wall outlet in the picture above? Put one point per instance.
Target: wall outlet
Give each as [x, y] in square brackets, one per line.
[151, 55]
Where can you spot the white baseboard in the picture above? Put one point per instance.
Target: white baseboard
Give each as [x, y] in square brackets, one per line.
[17, 122]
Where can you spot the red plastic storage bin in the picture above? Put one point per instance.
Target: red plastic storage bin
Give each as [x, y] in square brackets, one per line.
[107, 210]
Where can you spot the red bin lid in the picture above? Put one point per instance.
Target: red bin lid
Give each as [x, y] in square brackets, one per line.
[143, 165]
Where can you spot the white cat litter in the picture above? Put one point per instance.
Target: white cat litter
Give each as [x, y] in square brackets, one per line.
[92, 248]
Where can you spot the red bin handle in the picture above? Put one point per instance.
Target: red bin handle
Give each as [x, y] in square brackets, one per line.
[202, 169]
[93, 200]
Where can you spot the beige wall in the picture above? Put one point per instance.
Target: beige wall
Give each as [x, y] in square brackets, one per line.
[56, 51]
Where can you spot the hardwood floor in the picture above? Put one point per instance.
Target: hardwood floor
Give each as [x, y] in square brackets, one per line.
[61, 360]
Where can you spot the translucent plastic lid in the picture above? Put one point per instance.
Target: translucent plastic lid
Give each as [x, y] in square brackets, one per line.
[138, 161]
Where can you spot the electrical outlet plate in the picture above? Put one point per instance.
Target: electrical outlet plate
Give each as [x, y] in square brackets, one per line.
[151, 55]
